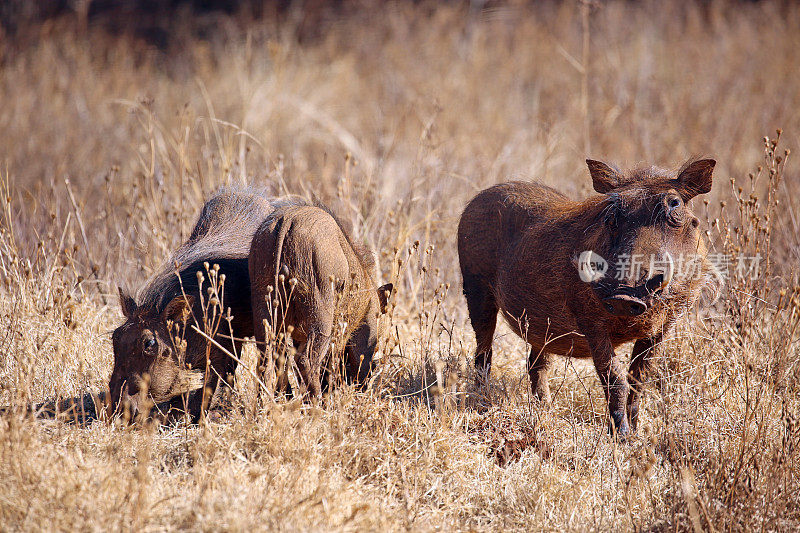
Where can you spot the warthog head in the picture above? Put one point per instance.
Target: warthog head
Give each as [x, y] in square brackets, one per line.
[148, 361]
[643, 242]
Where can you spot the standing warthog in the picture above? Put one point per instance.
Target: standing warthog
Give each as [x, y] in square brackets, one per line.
[307, 273]
[580, 278]
[146, 357]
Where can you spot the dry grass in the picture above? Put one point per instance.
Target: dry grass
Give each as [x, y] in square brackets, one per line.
[109, 148]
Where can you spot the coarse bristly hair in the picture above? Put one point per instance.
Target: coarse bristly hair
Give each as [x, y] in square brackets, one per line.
[224, 240]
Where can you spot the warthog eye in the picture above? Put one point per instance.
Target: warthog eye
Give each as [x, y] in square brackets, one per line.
[672, 207]
[613, 210]
[611, 217]
[149, 343]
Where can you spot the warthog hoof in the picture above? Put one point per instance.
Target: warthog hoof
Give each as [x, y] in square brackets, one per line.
[618, 426]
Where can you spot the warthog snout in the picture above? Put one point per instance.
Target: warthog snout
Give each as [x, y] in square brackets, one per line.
[624, 305]
[130, 401]
[635, 301]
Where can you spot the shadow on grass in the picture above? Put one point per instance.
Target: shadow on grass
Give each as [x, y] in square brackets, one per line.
[78, 410]
[84, 410]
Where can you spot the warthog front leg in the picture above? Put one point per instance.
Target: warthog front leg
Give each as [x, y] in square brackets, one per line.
[641, 355]
[614, 380]
[538, 371]
[358, 355]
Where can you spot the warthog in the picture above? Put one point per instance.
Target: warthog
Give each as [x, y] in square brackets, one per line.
[146, 355]
[581, 278]
[310, 278]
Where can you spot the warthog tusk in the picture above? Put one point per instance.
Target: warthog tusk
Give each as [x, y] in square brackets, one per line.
[186, 382]
[585, 262]
[669, 272]
[191, 380]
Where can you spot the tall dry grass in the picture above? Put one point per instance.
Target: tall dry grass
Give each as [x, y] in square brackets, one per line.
[395, 117]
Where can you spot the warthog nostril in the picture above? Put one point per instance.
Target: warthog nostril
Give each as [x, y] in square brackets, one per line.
[636, 308]
[655, 283]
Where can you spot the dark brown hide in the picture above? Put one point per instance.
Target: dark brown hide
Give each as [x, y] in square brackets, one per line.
[145, 355]
[520, 246]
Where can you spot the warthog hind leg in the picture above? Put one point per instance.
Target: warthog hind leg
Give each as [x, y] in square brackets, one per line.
[309, 363]
[483, 316]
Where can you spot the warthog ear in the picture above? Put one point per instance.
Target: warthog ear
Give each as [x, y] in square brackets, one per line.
[127, 303]
[695, 178]
[604, 178]
[384, 291]
[179, 309]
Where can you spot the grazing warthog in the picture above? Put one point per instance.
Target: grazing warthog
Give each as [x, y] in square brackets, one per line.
[303, 256]
[580, 278]
[146, 356]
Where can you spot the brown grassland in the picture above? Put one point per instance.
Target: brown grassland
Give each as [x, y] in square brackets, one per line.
[395, 117]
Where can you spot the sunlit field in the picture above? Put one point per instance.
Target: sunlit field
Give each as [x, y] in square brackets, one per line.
[395, 116]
